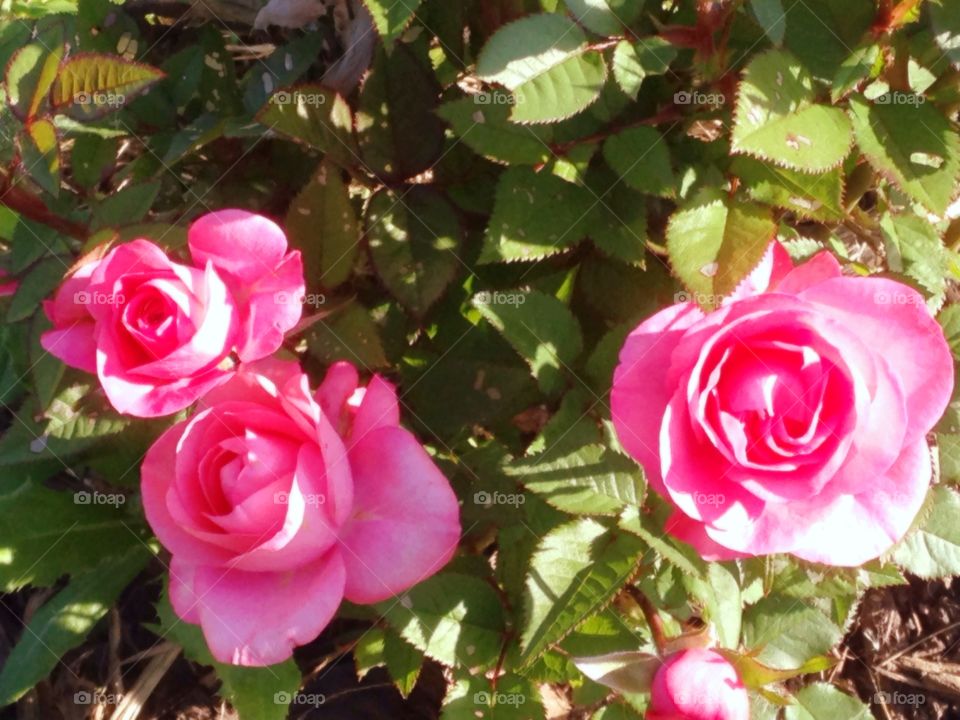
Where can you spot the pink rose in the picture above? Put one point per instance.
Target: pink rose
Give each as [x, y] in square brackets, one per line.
[7, 287]
[160, 334]
[697, 684]
[793, 418]
[276, 505]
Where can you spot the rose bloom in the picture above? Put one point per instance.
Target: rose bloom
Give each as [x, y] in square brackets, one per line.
[276, 505]
[160, 334]
[697, 684]
[791, 419]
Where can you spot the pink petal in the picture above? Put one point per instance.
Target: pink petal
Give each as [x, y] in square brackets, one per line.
[258, 618]
[693, 533]
[157, 476]
[405, 525]
[378, 408]
[75, 344]
[854, 529]
[243, 244]
[820, 268]
[270, 307]
[338, 385]
[143, 396]
[893, 318]
[640, 389]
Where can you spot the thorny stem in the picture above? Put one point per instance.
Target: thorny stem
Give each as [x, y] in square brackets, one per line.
[652, 617]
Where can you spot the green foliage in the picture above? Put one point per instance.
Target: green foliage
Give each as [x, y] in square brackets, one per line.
[66, 620]
[488, 197]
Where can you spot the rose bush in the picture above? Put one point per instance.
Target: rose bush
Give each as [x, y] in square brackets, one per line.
[159, 334]
[791, 419]
[276, 505]
[697, 684]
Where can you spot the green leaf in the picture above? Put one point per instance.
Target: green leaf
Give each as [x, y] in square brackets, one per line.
[414, 238]
[37, 285]
[618, 223]
[912, 144]
[48, 534]
[91, 158]
[641, 158]
[914, 247]
[540, 328]
[822, 32]
[348, 334]
[126, 206]
[263, 693]
[454, 618]
[786, 632]
[635, 61]
[861, 64]
[605, 17]
[40, 148]
[776, 119]
[30, 73]
[391, 17]
[314, 116]
[822, 701]
[398, 130]
[65, 621]
[542, 59]
[322, 224]
[403, 662]
[770, 15]
[576, 571]
[92, 84]
[932, 550]
[818, 197]
[715, 242]
[482, 122]
[535, 215]
[281, 69]
[473, 698]
[945, 18]
[719, 592]
[588, 480]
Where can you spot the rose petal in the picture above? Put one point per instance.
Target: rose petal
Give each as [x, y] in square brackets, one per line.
[854, 529]
[242, 244]
[893, 318]
[405, 525]
[640, 390]
[74, 344]
[820, 268]
[258, 618]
